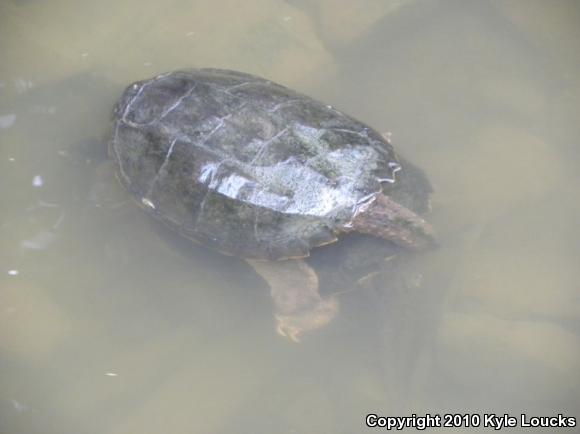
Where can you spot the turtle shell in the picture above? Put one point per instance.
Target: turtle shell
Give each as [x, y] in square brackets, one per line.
[243, 165]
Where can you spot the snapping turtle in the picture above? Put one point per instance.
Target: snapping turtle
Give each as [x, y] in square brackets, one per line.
[253, 169]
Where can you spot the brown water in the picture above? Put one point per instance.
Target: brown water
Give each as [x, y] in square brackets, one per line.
[107, 325]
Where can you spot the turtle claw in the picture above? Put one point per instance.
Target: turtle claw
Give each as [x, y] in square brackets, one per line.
[287, 332]
[292, 326]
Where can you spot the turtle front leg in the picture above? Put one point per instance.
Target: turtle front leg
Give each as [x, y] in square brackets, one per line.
[294, 289]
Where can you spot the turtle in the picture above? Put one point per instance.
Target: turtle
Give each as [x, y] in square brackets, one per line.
[253, 169]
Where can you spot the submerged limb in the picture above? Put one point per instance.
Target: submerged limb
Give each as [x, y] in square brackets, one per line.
[387, 219]
[294, 289]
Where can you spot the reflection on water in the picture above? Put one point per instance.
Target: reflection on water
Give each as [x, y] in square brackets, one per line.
[109, 324]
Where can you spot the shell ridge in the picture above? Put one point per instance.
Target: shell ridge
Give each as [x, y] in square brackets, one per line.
[132, 100]
[265, 145]
[176, 103]
[161, 168]
[115, 148]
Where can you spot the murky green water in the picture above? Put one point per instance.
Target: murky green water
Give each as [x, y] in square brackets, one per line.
[110, 325]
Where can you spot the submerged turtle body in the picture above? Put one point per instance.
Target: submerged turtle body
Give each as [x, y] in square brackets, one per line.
[246, 166]
[253, 169]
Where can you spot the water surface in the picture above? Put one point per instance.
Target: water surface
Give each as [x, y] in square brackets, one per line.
[110, 325]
